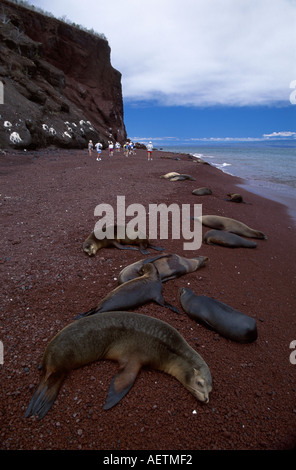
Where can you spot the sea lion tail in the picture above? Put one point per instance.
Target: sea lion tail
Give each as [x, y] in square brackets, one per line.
[45, 395]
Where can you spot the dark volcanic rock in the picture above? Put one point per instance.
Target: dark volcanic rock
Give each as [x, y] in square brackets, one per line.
[59, 86]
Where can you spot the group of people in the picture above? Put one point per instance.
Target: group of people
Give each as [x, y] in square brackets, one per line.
[128, 149]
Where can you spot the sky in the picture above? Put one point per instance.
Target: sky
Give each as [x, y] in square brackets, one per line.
[198, 68]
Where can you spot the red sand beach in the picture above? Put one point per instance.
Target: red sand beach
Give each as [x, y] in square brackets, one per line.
[47, 210]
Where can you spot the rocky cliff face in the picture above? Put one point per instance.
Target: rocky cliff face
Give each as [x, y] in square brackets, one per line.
[59, 86]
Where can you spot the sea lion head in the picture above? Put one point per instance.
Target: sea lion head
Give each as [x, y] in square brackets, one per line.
[90, 247]
[200, 385]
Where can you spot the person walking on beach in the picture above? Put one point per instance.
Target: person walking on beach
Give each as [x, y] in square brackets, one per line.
[117, 146]
[111, 148]
[125, 147]
[90, 147]
[99, 150]
[149, 150]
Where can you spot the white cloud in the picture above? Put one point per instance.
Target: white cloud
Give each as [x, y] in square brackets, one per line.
[195, 52]
[281, 134]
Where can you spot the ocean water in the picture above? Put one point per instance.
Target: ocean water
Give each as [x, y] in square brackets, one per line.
[267, 167]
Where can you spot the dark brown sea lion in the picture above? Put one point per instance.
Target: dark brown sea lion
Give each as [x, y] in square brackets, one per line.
[219, 317]
[230, 225]
[234, 197]
[132, 339]
[92, 244]
[169, 266]
[133, 293]
[228, 239]
[202, 191]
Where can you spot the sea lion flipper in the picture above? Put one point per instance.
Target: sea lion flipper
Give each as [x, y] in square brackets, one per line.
[144, 251]
[120, 385]
[157, 248]
[122, 247]
[165, 304]
[86, 314]
[171, 307]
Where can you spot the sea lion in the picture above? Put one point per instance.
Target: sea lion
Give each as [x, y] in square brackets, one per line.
[230, 225]
[181, 177]
[234, 197]
[169, 266]
[219, 317]
[228, 239]
[132, 339]
[92, 244]
[133, 293]
[169, 175]
[202, 191]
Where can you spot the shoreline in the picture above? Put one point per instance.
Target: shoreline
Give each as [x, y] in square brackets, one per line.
[283, 194]
[48, 199]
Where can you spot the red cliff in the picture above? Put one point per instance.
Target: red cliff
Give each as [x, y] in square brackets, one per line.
[59, 85]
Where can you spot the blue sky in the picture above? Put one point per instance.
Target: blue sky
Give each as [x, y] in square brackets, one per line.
[168, 123]
[197, 68]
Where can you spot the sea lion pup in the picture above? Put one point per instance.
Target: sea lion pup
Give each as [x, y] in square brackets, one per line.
[133, 293]
[202, 191]
[219, 317]
[169, 266]
[92, 244]
[132, 339]
[230, 225]
[228, 239]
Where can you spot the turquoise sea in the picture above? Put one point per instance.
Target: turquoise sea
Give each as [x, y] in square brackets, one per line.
[268, 167]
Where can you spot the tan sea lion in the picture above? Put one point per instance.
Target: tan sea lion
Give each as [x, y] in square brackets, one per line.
[133, 293]
[169, 175]
[228, 239]
[219, 317]
[132, 339]
[169, 266]
[202, 191]
[92, 244]
[230, 225]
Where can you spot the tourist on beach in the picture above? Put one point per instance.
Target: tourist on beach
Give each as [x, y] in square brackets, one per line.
[149, 150]
[99, 150]
[125, 147]
[131, 148]
[90, 147]
[117, 146]
[111, 148]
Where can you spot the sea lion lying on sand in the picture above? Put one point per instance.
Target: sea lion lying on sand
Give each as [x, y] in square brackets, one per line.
[133, 293]
[132, 339]
[92, 244]
[174, 176]
[228, 239]
[202, 191]
[219, 317]
[234, 197]
[169, 266]
[230, 225]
